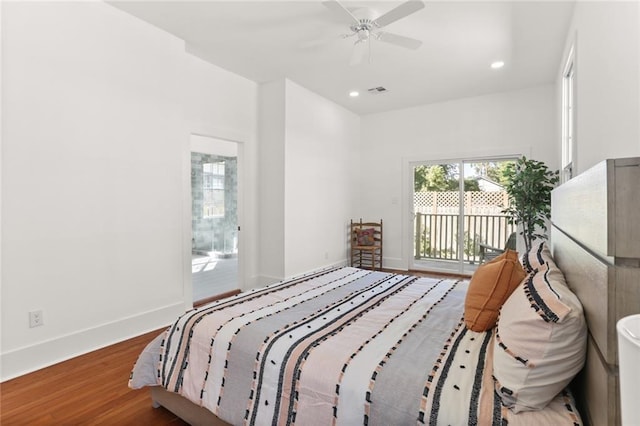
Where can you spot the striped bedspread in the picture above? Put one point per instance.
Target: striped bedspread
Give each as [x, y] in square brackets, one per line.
[342, 346]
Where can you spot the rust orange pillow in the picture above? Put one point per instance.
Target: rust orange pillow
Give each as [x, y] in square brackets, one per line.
[490, 286]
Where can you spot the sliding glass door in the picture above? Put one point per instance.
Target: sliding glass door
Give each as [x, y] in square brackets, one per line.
[457, 213]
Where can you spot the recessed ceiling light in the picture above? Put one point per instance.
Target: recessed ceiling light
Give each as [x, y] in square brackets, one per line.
[354, 93]
[497, 64]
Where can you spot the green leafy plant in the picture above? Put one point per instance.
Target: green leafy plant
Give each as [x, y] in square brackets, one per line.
[471, 244]
[529, 185]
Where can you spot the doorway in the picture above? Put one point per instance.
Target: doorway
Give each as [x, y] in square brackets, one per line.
[457, 212]
[214, 217]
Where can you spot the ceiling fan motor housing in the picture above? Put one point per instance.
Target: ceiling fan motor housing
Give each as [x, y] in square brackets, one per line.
[363, 28]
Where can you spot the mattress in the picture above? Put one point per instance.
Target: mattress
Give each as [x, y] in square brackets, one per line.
[342, 346]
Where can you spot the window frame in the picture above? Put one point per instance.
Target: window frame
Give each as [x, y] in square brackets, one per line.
[569, 116]
[213, 189]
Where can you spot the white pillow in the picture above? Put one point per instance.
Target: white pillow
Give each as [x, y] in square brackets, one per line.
[540, 341]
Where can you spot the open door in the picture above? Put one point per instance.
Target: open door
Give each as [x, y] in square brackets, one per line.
[214, 222]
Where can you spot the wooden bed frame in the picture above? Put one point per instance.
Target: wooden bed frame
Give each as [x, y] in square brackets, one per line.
[185, 409]
[594, 239]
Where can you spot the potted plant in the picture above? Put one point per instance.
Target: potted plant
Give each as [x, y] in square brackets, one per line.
[529, 185]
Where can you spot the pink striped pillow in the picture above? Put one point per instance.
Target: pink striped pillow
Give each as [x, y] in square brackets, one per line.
[537, 256]
[540, 342]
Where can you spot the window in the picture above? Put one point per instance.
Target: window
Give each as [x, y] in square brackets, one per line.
[213, 189]
[568, 117]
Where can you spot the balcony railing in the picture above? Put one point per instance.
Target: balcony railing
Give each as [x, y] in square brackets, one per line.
[436, 235]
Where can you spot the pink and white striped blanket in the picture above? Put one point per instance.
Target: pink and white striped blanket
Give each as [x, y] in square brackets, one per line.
[342, 346]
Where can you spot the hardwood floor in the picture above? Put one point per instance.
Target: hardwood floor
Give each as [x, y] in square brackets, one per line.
[88, 390]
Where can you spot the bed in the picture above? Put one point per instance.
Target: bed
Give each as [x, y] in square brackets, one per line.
[340, 346]
[351, 346]
[595, 238]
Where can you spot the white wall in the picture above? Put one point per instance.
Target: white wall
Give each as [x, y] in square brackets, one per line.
[95, 135]
[511, 123]
[223, 105]
[1, 167]
[95, 156]
[607, 39]
[308, 165]
[321, 163]
[272, 133]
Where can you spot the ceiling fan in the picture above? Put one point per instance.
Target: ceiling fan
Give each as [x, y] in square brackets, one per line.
[366, 28]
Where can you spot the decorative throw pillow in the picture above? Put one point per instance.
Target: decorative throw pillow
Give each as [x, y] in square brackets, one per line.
[365, 237]
[490, 286]
[537, 256]
[540, 342]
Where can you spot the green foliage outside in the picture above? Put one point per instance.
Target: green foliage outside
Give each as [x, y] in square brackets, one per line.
[494, 170]
[440, 178]
[471, 244]
[446, 177]
[527, 182]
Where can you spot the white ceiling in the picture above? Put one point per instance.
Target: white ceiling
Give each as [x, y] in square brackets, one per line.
[300, 40]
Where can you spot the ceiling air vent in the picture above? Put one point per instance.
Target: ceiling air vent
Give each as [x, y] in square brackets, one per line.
[377, 90]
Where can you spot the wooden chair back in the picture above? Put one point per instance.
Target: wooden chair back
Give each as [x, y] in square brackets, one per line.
[366, 244]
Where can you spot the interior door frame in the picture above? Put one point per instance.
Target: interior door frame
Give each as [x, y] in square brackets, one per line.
[240, 141]
[408, 190]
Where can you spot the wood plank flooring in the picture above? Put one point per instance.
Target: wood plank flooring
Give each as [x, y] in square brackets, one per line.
[88, 390]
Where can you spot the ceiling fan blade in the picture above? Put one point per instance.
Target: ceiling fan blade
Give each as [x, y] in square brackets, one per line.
[399, 12]
[398, 40]
[359, 52]
[340, 12]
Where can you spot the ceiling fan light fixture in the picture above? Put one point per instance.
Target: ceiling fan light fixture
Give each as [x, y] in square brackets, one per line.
[365, 27]
[354, 93]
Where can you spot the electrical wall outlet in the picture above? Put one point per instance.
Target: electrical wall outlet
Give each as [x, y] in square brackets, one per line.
[35, 319]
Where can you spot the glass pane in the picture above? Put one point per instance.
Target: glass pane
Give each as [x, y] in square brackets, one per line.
[457, 227]
[485, 228]
[436, 216]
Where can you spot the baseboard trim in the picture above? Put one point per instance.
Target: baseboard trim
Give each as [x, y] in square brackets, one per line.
[28, 359]
[202, 302]
[265, 280]
[394, 263]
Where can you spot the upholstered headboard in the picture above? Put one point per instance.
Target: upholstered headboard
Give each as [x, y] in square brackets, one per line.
[595, 240]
